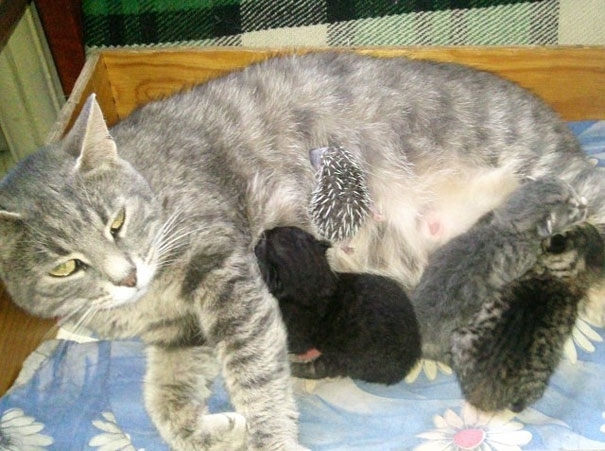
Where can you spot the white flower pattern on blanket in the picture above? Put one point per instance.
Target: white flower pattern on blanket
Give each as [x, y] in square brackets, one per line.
[112, 438]
[583, 336]
[430, 368]
[474, 430]
[20, 432]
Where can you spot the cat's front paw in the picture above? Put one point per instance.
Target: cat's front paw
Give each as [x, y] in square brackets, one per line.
[562, 216]
[229, 430]
[545, 206]
[215, 432]
[559, 220]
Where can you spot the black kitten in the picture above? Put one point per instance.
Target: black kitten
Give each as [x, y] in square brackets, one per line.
[360, 325]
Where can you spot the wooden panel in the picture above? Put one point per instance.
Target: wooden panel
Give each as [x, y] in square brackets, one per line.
[21, 334]
[571, 79]
[93, 79]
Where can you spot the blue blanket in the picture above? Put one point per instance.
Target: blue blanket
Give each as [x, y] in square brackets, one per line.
[88, 396]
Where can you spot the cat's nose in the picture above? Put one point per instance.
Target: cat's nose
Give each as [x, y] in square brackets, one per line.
[130, 280]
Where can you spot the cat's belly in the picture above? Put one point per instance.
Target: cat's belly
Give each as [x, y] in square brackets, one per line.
[460, 201]
[417, 216]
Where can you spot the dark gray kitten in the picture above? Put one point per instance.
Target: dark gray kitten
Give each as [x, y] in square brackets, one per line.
[474, 267]
[506, 354]
[148, 229]
[505, 294]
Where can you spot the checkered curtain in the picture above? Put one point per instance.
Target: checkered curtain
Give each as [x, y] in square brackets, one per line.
[110, 23]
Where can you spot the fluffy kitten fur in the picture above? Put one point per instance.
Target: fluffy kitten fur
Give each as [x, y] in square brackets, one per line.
[505, 302]
[506, 354]
[200, 175]
[363, 324]
[473, 267]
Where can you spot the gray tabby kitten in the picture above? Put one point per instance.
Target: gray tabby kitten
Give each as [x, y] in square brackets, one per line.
[506, 354]
[473, 268]
[148, 229]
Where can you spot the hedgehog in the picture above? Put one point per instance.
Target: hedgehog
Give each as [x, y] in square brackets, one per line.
[340, 202]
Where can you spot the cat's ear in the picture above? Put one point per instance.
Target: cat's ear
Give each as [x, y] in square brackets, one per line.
[89, 139]
[11, 224]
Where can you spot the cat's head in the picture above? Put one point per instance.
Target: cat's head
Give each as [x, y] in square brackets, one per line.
[78, 225]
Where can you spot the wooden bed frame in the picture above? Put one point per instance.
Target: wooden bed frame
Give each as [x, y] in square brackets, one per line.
[571, 79]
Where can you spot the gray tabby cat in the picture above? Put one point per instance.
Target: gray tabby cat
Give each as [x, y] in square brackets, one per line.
[506, 354]
[148, 229]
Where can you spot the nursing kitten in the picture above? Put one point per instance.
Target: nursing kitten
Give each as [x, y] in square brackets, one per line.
[363, 325]
[478, 289]
[506, 354]
[147, 229]
[501, 248]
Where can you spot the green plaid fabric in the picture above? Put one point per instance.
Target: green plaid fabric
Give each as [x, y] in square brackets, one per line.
[109, 23]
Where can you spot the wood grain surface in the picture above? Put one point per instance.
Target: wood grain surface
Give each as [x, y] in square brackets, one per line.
[571, 79]
[20, 334]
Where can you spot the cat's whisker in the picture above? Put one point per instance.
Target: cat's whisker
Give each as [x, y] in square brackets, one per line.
[63, 321]
[175, 241]
[172, 221]
[83, 316]
[167, 228]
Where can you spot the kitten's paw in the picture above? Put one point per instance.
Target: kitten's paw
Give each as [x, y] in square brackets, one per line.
[546, 206]
[561, 218]
[215, 432]
[545, 228]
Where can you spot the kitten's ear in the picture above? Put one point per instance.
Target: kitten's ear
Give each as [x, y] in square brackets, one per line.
[89, 139]
[316, 157]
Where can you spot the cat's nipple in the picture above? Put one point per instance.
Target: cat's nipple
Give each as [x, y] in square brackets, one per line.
[130, 280]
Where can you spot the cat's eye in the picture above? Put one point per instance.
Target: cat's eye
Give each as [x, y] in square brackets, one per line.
[118, 222]
[67, 268]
